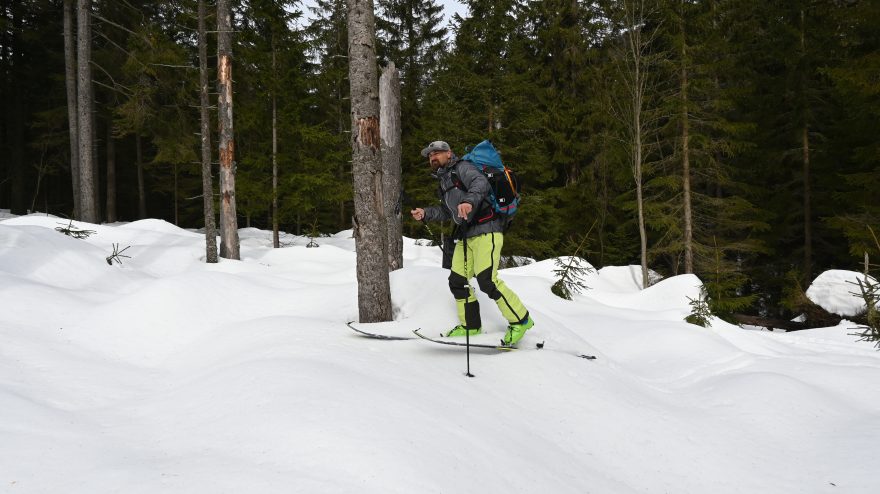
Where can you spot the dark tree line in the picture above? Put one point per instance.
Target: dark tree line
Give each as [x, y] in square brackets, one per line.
[732, 139]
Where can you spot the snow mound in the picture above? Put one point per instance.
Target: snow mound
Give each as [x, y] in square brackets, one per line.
[837, 292]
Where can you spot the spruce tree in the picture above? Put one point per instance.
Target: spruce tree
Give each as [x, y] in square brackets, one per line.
[701, 219]
[857, 96]
[329, 115]
[411, 34]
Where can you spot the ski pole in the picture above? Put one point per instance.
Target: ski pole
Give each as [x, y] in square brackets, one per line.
[467, 332]
[431, 233]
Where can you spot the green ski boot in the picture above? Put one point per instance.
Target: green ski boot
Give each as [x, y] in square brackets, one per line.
[462, 331]
[516, 331]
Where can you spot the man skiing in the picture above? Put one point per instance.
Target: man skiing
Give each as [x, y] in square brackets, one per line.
[464, 198]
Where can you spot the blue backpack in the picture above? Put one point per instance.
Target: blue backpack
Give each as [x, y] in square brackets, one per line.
[503, 182]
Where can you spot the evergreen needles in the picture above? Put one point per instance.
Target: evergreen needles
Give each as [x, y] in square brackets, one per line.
[74, 232]
[700, 312]
[869, 290]
[571, 273]
[117, 255]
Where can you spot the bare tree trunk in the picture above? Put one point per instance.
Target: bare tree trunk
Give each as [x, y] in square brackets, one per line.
[276, 242]
[84, 112]
[139, 162]
[174, 196]
[207, 182]
[390, 130]
[633, 67]
[340, 127]
[70, 80]
[637, 175]
[229, 243]
[111, 175]
[808, 224]
[96, 169]
[686, 154]
[13, 108]
[805, 142]
[370, 230]
[5, 54]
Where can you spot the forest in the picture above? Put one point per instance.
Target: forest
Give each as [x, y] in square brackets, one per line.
[732, 139]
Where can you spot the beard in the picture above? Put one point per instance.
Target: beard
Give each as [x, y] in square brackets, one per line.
[435, 165]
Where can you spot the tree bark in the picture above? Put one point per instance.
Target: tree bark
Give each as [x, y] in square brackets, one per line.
[805, 142]
[276, 241]
[370, 229]
[770, 323]
[111, 175]
[207, 182]
[70, 82]
[139, 163]
[14, 113]
[84, 112]
[686, 153]
[633, 67]
[229, 242]
[175, 196]
[390, 132]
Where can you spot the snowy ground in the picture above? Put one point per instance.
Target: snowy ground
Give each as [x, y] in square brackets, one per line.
[166, 374]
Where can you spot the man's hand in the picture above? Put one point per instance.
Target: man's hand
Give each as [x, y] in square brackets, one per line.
[418, 214]
[464, 209]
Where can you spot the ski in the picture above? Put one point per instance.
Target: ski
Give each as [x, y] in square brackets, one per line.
[377, 336]
[460, 343]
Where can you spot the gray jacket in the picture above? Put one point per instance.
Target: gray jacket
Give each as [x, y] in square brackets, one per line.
[475, 193]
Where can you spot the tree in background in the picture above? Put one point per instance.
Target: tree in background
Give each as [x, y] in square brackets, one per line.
[636, 90]
[70, 84]
[411, 34]
[84, 105]
[205, 138]
[329, 118]
[854, 138]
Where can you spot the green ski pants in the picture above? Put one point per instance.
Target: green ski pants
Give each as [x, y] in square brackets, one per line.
[483, 255]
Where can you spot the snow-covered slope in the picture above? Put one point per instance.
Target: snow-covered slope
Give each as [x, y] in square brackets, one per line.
[166, 374]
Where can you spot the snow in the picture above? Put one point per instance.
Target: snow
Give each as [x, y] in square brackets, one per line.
[166, 374]
[837, 292]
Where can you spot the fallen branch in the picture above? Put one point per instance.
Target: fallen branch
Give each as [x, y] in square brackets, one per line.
[117, 255]
[71, 231]
[769, 322]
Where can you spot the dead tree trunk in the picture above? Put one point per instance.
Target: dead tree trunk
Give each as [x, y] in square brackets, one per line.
[370, 230]
[207, 182]
[389, 119]
[84, 112]
[70, 81]
[229, 243]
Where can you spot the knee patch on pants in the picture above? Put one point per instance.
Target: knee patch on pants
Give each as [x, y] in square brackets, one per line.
[458, 286]
[484, 279]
